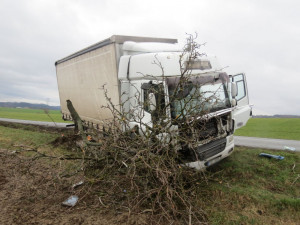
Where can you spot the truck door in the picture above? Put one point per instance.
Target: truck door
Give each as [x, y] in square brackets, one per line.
[242, 111]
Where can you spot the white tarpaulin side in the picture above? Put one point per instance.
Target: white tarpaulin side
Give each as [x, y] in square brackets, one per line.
[81, 80]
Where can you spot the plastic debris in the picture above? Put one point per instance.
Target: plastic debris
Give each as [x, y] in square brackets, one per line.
[271, 156]
[289, 148]
[78, 184]
[71, 201]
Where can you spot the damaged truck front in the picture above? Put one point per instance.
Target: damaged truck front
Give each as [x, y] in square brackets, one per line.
[156, 83]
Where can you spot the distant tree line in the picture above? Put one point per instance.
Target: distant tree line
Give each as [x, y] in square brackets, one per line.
[276, 116]
[28, 105]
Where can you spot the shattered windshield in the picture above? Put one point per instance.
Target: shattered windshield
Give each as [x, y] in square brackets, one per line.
[196, 99]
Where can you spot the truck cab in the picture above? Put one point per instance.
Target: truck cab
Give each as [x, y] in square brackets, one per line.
[224, 107]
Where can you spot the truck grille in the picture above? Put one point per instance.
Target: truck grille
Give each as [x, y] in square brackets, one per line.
[200, 130]
[211, 149]
[206, 129]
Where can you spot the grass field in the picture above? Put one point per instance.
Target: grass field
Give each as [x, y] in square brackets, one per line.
[242, 189]
[30, 114]
[248, 189]
[280, 128]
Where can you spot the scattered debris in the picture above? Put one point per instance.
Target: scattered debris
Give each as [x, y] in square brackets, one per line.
[78, 184]
[71, 201]
[271, 156]
[289, 148]
[89, 138]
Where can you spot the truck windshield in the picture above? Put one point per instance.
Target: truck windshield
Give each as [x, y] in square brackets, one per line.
[193, 100]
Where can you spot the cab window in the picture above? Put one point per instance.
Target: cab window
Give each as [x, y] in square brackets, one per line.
[240, 83]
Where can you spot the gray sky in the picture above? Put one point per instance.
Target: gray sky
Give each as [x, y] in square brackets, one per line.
[259, 38]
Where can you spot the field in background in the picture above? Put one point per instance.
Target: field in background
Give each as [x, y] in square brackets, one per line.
[30, 114]
[279, 128]
[242, 189]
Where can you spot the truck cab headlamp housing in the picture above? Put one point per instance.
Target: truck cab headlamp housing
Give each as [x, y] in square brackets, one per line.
[197, 65]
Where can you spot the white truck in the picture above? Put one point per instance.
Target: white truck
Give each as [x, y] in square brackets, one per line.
[125, 65]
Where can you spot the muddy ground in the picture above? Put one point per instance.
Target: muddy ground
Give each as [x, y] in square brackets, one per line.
[31, 193]
[32, 190]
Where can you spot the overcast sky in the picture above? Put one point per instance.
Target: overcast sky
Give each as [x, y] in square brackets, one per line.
[259, 38]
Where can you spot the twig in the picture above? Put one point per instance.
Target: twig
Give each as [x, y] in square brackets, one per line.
[50, 156]
[102, 202]
[46, 111]
[190, 215]
[293, 169]
[296, 179]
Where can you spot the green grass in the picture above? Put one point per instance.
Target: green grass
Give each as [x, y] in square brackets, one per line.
[12, 136]
[280, 128]
[30, 114]
[248, 189]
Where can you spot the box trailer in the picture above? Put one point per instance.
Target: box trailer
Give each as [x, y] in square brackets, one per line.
[82, 76]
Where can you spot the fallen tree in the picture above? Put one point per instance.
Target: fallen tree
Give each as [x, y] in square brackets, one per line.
[141, 171]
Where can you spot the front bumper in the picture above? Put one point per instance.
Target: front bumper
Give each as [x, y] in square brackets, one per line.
[213, 152]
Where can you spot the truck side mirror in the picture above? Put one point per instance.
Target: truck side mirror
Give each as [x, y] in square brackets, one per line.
[234, 90]
[152, 101]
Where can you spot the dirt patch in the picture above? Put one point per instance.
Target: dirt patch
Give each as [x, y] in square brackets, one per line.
[66, 141]
[3, 179]
[31, 192]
